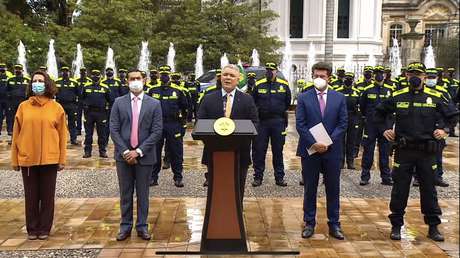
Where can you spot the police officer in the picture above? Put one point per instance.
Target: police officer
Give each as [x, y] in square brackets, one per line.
[251, 82]
[402, 80]
[338, 80]
[453, 87]
[388, 80]
[3, 98]
[114, 85]
[217, 86]
[272, 97]
[352, 95]
[97, 100]
[193, 86]
[431, 83]
[16, 93]
[174, 108]
[124, 88]
[154, 80]
[68, 96]
[420, 118]
[306, 86]
[82, 80]
[43, 68]
[362, 83]
[371, 96]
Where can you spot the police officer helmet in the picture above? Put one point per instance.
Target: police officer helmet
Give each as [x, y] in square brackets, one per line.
[271, 66]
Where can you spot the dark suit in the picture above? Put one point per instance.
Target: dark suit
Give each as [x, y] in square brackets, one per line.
[135, 176]
[243, 107]
[308, 114]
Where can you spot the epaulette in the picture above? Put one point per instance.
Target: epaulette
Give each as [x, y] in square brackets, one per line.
[210, 88]
[59, 79]
[355, 89]
[87, 84]
[432, 92]
[368, 87]
[281, 81]
[104, 85]
[263, 80]
[339, 88]
[401, 91]
[440, 88]
[389, 86]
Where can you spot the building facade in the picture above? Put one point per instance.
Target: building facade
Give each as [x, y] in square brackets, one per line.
[356, 25]
[433, 22]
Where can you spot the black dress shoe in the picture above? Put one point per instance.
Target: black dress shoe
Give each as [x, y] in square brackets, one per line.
[144, 235]
[257, 182]
[336, 233]
[308, 231]
[434, 234]
[301, 182]
[281, 183]
[440, 182]
[387, 182]
[364, 182]
[123, 235]
[205, 184]
[154, 183]
[103, 155]
[395, 233]
[87, 155]
[350, 165]
[178, 183]
[74, 143]
[416, 183]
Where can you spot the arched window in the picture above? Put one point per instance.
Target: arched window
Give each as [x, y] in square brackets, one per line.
[395, 32]
[434, 33]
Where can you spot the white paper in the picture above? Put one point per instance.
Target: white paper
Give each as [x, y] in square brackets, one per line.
[320, 135]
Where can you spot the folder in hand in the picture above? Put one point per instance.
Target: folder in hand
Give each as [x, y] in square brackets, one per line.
[320, 135]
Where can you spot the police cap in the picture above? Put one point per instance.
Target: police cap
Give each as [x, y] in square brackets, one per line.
[350, 74]
[379, 68]
[218, 72]
[431, 71]
[416, 67]
[165, 69]
[451, 69]
[95, 72]
[368, 68]
[252, 75]
[18, 66]
[122, 70]
[65, 68]
[271, 66]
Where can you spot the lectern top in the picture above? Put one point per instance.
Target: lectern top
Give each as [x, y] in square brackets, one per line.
[206, 127]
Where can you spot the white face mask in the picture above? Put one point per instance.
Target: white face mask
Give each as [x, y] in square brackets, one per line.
[431, 82]
[136, 86]
[320, 84]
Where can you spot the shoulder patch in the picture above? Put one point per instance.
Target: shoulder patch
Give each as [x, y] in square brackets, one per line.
[401, 91]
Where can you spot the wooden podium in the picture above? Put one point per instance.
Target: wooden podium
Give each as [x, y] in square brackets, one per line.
[223, 227]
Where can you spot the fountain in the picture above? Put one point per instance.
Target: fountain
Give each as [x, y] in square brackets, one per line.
[199, 62]
[76, 12]
[144, 58]
[429, 60]
[171, 56]
[224, 61]
[77, 64]
[348, 66]
[286, 64]
[51, 61]
[110, 61]
[22, 57]
[395, 59]
[311, 60]
[371, 60]
[255, 58]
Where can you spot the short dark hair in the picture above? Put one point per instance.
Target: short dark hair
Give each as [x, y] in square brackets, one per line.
[322, 66]
[50, 87]
[135, 70]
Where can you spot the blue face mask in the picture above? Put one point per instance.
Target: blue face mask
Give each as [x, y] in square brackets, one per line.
[379, 77]
[38, 88]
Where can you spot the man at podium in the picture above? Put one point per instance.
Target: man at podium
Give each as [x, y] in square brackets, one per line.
[232, 103]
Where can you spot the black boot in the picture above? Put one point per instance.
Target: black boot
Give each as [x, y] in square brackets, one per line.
[434, 234]
[395, 233]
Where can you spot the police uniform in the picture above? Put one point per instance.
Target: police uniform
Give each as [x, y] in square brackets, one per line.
[97, 99]
[272, 98]
[251, 83]
[114, 85]
[175, 80]
[337, 81]
[193, 87]
[419, 112]
[82, 80]
[217, 86]
[3, 94]
[388, 80]
[124, 88]
[68, 96]
[174, 108]
[371, 96]
[352, 96]
[402, 80]
[362, 83]
[307, 86]
[16, 93]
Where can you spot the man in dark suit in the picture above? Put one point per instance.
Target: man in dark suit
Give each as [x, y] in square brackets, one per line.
[229, 102]
[135, 127]
[329, 108]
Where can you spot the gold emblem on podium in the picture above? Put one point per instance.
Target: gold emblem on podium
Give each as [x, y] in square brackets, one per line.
[224, 126]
